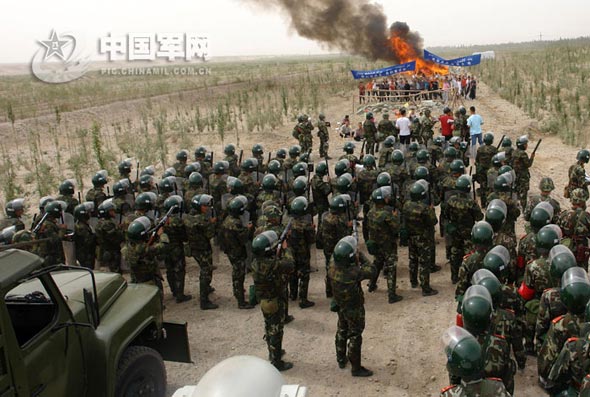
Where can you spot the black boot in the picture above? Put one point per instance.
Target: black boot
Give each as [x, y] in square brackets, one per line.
[206, 304]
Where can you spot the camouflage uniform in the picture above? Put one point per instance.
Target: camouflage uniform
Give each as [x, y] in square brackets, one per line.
[385, 128]
[385, 157]
[538, 198]
[85, 242]
[370, 133]
[575, 224]
[301, 237]
[420, 221]
[179, 168]
[141, 259]
[159, 206]
[189, 193]
[506, 324]
[509, 151]
[483, 162]
[383, 224]
[521, 164]
[324, 136]
[234, 240]
[70, 201]
[426, 132]
[348, 295]
[436, 154]
[461, 213]
[108, 240]
[51, 251]
[527, 252]
[96, 195]
[572, 365]
[446, 188]
[234, 167]
[577, 180]
[366, 183]
[507, 234]
[200, 230]
[492, 387]
[537, 277]
[472, 262]
[174, 257]
[122, 207]
[218, 187]
[332, 228]
[550, 307]
[320, 190]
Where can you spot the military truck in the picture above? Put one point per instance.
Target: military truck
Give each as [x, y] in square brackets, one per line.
[69, 331]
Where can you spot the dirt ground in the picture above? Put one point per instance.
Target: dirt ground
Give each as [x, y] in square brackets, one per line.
[401, 342]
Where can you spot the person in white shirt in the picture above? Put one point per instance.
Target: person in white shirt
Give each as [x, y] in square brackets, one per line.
[403, 124]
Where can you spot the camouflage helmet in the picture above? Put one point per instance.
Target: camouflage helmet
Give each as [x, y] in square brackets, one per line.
[146, 182]
[257, 150]
[482, 234]
[195, 179]
[300, 186]
[560, 259]
[506, 142]
[235, 185]
[338, 204]
[174, 204]
[54, 209]
[418, 192]
[422, 156]
[66, 188]
[200, 152]
[547, 237]
[522, 141]
[270, 183]
[541, 215]
[299, 169]
[488, 138]
[369, 161]
[487, 279]
[578, 196]
[421, 173]
[464, 354]
[237, 206]
[192, 167]
[229, 150]
[282, 153]
[299, 206]
[463, 183]
[265, 243]
[182, 155]
[348, 147]
[294, 151]
[167, 184]
[342, 167]
[496, 213]
[274, 167]
[457, 167]
[249, 165]
[575, 290]
[139, 229]
[345, 250]
[105, 208]
[124, 167]
[450, 153]
[413, 147]
[13, 206]
[220, 168]
[497, 261]
[100, 178]
[144, 202]
[546, 184]
[583, 156]
[389, 141]
[383, 179]
[477, 308]
[397, 157]
[344, 183]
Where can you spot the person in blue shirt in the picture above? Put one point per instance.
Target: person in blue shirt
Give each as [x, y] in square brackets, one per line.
[474, 122]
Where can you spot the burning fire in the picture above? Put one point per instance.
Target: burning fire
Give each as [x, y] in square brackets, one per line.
[406, 53]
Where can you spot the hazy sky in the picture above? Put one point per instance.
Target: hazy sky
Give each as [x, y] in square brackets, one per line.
[236, 27]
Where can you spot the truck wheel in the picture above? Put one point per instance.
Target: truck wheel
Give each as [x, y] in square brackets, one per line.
[141, 372]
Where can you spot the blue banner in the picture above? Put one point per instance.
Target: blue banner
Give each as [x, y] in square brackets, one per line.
[371, 74]
[469, 60]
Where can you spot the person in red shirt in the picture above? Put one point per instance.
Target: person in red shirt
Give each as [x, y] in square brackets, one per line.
[361, 92]
[446, 123]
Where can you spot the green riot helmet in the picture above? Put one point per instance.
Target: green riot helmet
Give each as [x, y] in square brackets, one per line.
[321, 168]
[446, 110]
[144, 202]
[66, 188]
[119, 188]
[397, 157]
[342, 167]
[265, 244]
[496, 161]
[274, 167]
[219, 168]
[299, 206]
[282, 153]
[497, 261]
[170, 171]
[82, 211]
[338, 204]
[14, 208]
[138, 229]
[546, 185]
[496, 214]
[344, 183]
[53, 209]
[505, 169]
[422, 156]
[301, 118]
[124, 167]
[578, 196]
[201, 200]
[482, 234]
[389, 141]
[174, 204]
[503, 183]
[421, 173]
[304, 158]
[195, 180]
[456, 140]
[413, 147]
[105, 208]
[229, 150]
[418, 192]
[167, 184]
[463, 146]
[299, 169]
[462, 110]
[369, 116]
[348, 148]
[547, 237]
[381, 195]
[457, 167]
[208, 158]
[506, 142]
[541, 215]
[182, 156]
[44, 201]
[149, 170]
[583, 156]
[450, 153]
[575, 290]
[560, 259]
[477, 308]
[200, 152]
[190, 168]
[257, 150]
[369, 161]
[522, 142]
[300, 186]
[487, 279]
[383, 179]
[488, 138]
[7, 234]
[237, 206]
[235, 185]
[345, 250]
[463, 183]
[270, 183]
[385, 116]
[294, 151]
[146, 182]
[249, 165]
[439, 140]
[100, 178]
[464, 355]
[321, 116]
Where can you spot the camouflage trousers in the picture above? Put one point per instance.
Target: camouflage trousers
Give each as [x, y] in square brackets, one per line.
[532, 310]
[386, 260]
[522, 190]
[459, 248]
[324, 146]
[274, 316]
[370, 145]
[328, 256]
[306, 143]
[238, 274]
[111, 259]
[349, 335]
[175, 270]
[299, 280]
[421, 253]
[205, 261]
[508, 240]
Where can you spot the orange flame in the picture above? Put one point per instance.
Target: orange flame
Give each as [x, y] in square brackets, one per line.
[406, 53]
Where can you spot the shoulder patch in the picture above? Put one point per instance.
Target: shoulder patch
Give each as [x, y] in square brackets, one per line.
[572, 339]
[445, 389]
[499, 336]
[557, 319]
[523, 236]
[510, 311]
[468, 254]
[495, 379]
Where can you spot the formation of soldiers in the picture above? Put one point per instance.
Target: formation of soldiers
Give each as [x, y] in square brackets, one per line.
[515, 297]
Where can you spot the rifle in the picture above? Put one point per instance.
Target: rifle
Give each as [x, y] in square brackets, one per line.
[211, 157]
[23, 244]
[268, 161]
[363, 148]
[154, 232]
[79, 198]
[283, 236]
[536, 147]
[241, 155]
[500, 143]
[37, 227]
[136, 176]
[472, 183]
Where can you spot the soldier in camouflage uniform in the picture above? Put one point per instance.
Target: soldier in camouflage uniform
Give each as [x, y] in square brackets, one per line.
[251, 185]
[575, 292]
[461, 213]
[435, 150]
[147, 183]
[410, 156]
[492, 174]
[66, 194]
[218, 187]
[97, 194]
[109, 237]
[521, 164]
[370, 133]
[447, 189]
[84, 237]
[348, 149]
[324, 136]
[366, 183]
[200, 229]
[194, 187]
[483, 162]
[320, 190]
[14, 211]
[200, 154]
[347, 269]
[427, 123]
[507, 149]
[270, 194]
[460, 127]
[577, 175]
[527, 246]
[167, 189]
[235, 236]
[383, 224]
[420, 221]
[386, 153]
[269, 268]
[481, 238]
[575, 224]
[181, 159]
[546, 186]
[51, 251]
[232, 159]
[465, 361]
[385, 128]
[280, 156]
[122, 207]
[258, 154]
[300, 239]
